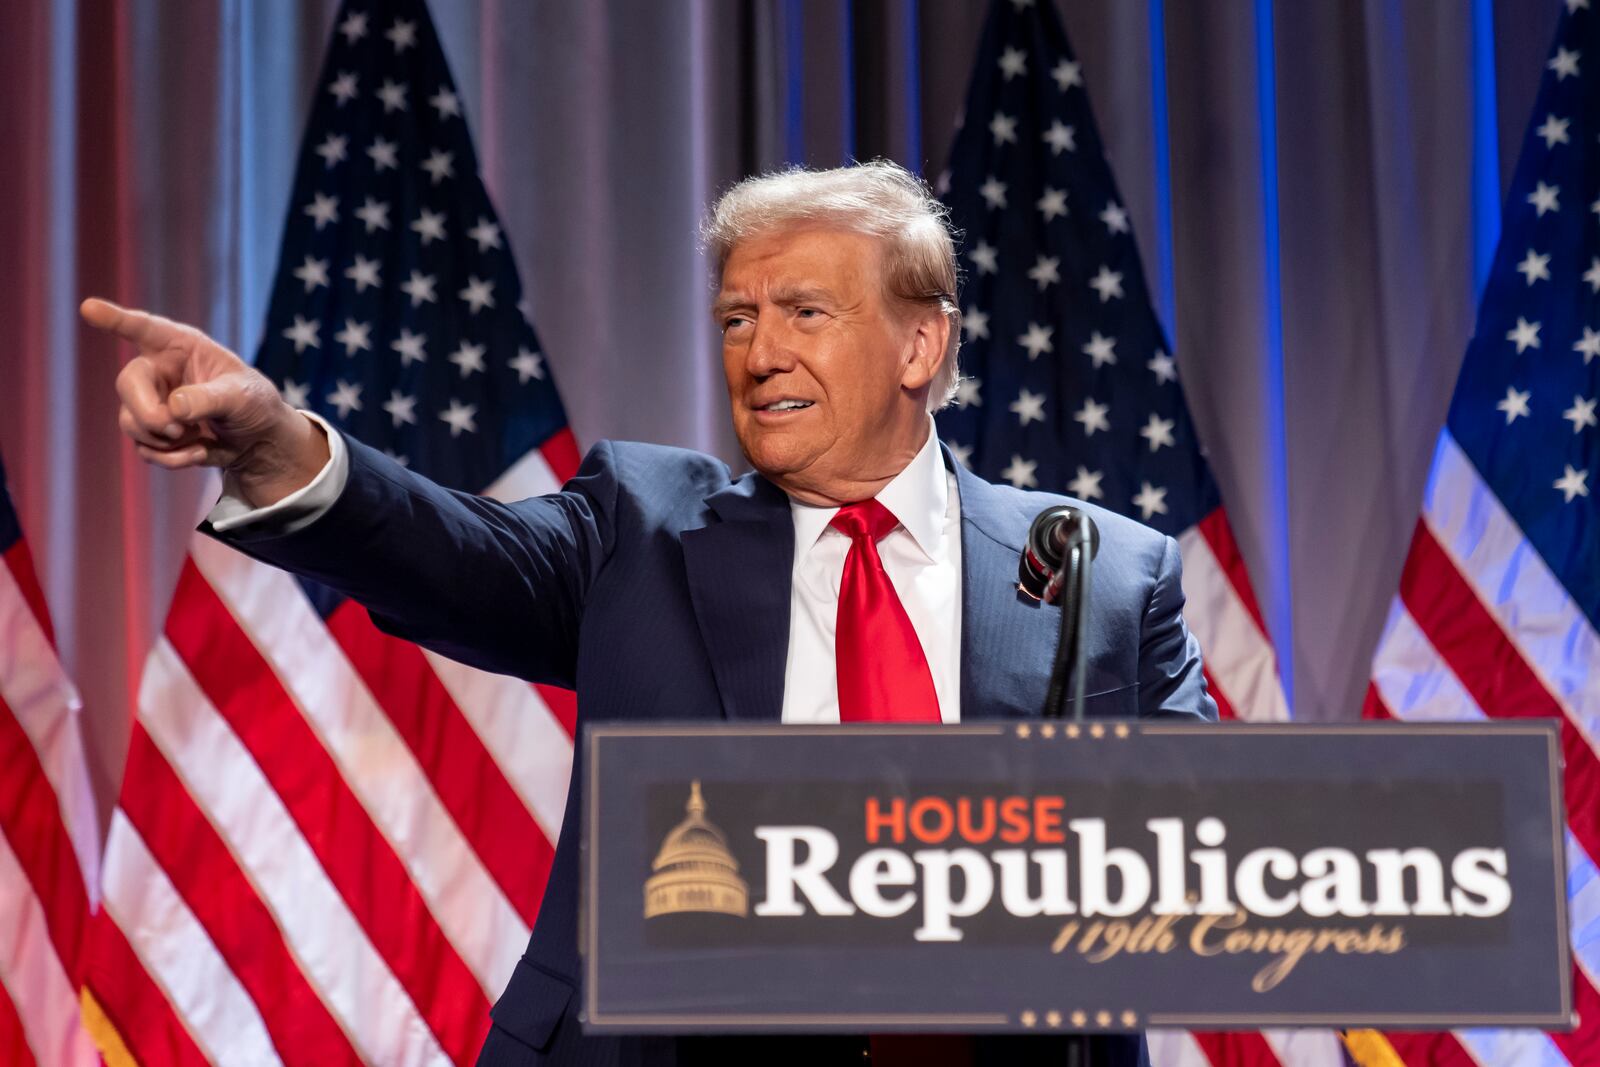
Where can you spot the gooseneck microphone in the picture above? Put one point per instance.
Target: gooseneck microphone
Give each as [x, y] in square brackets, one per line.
[1054, 568]
[1054, 531]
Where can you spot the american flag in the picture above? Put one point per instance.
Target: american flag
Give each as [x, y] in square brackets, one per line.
[49, 836]
[1069, 384]
[331, 845]
[1499, 602]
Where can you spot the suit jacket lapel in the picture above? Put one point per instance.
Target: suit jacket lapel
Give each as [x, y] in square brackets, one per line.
[740, 571]
[1004, 636]
[740, 567]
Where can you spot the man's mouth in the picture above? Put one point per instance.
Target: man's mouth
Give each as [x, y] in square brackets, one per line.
[786, 405]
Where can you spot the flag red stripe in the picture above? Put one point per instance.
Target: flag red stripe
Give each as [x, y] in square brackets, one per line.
[30, 818]
[1224, 708]
[1236, 1049]
[1373, 706]
[560, 451]
[495, 822]
[1219, 535]
[134, 1004]
[563, 705]
[13, 1042]
[1231, 1049]
[205, 873]
[1491, 668]
[1442, 1048]
[20, 563]
[358, 861]
[1581, 1045]
[1439, 1049]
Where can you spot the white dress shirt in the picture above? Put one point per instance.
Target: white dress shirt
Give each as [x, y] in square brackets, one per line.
[922, 557]
[300, 508]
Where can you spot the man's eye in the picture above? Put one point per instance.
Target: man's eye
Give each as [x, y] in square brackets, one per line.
[733, 322]
[808, 313]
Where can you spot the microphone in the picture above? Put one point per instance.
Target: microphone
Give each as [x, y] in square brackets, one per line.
[1054, 533]
[1054, 569]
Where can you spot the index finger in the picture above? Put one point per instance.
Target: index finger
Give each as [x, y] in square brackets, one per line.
[140, 327]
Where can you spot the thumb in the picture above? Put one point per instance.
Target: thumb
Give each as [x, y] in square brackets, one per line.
[216, 399]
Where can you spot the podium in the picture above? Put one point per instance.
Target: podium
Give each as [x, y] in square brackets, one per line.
[1028, 876]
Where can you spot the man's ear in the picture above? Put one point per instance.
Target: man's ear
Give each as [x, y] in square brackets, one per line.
[928, 344]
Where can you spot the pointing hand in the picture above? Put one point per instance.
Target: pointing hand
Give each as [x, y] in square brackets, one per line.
[188, 402]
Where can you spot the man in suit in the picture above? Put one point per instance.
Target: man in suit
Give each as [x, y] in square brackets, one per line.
[858, 573]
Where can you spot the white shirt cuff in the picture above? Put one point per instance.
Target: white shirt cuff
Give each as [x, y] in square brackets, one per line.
[300, 508]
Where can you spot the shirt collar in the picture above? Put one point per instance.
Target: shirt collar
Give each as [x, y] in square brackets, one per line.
[917, 496]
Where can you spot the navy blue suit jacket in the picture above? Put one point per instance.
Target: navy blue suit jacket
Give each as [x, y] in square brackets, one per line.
[657, 586]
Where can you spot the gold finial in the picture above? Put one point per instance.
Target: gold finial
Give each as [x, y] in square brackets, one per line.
[697, 803]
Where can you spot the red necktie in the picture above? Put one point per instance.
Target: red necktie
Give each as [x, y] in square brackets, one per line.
[884, 677]
[883, 674]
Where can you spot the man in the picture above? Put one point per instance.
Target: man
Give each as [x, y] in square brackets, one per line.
[860, 573]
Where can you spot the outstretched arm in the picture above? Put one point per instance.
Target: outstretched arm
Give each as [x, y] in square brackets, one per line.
[499, 586]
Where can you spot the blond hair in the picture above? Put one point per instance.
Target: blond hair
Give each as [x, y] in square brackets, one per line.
[877, 198]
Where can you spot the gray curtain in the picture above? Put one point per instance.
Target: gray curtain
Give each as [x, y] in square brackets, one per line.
[150, 147]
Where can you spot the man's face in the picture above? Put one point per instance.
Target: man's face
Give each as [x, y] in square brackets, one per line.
[827, 383]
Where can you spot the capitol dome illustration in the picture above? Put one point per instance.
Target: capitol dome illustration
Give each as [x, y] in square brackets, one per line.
[694, 870]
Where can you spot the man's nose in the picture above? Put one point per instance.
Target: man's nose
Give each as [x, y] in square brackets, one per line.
[769, 352]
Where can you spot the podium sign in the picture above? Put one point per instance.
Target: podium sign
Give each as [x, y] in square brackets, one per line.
[1010, 876]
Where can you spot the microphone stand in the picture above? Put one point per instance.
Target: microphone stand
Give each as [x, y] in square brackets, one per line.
[1071, 580]
[1070, 586]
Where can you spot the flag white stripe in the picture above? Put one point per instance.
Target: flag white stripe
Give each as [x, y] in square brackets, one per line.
[465, 900]
[179, 955]
[1583, 906]
[1514, 583]
[1511, 1048]
[32, 975]
[46, 706]
[1583, 902]
[326, 940]
[1417, 685]
[1293, 1048]
[1238, 655]
[1175, 1048]
[1243, 665]
[528, 476]
[1413, 680]
[520, 733]
[1305, 1048]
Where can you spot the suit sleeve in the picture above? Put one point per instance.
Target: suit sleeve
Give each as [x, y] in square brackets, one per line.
[1172, 683]
[498, 586]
